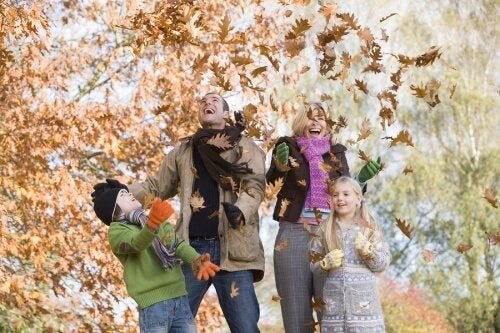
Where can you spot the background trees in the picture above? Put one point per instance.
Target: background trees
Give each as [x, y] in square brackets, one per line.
[103, 88]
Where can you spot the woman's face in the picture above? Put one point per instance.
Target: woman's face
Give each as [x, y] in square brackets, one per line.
[316, 124]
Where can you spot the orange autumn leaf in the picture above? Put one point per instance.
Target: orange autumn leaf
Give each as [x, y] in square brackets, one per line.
[220, 140]
[405, 227]
[462, 248]
[408, 169]
[403, 137]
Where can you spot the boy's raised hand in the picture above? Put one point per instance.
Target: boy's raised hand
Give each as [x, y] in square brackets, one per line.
[204, 268]
[160, 211]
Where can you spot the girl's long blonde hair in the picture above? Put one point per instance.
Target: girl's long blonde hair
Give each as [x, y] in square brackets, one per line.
[368, 225]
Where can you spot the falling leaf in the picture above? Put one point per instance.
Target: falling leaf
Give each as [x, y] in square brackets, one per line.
[408, 169]
[404, 227]
[349, 19]
[276, 298]
[293, 162]
[229, 181]
[362, 155]
[402, 137]
[220, 140]
[491, 196]
[325, 167]
[258, 70]
[329, 10]
[462, 248]
[366, 35]
[361, 85]
[428, 57]
[318, 304]
[272, 189]
[147, 200]
[281, 245]
[386, 17]
[284, 205]
[224, 28]
[214, 214]
[429, 256]
[315, 256]
[419, 91]
[494, 239]
[301, 26]
[452, 90]
[234, 290]
[302, 182]
[196, 201]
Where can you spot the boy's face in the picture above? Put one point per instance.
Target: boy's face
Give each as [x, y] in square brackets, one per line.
[126, 202]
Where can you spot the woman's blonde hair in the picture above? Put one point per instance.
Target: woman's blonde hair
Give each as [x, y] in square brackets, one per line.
[368, 225]
[300, 122]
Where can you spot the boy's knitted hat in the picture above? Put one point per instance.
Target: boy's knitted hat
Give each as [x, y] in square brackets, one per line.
[104, 198]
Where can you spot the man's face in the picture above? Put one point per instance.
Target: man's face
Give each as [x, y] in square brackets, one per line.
[211, 113]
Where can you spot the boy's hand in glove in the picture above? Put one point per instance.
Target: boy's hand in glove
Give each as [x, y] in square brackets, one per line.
[233, 214]
[369, 171]
[204, 268]
[332, 260]
[160, 211]
[363, 245]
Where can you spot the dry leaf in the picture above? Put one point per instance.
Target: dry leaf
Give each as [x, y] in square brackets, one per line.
[214, 214]
[220, 140]
[273, 189]
[365, 130]
[147, 200]
[302, 182]
[386, 17]
[284, 205]
[361, 85]
[229, 181]
[276, 298]
[196, 201]
[362, 155]
[408, 169]
[462, 248]
[329, 10]
[404, 227]
[494, 239]
[281, 245]
[429, 256]
[235, 291]
[293, 162]
[318, 304]
[315, 257]
[491, 196]
[402, 137]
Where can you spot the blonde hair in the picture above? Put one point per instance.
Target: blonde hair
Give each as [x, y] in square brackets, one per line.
[331, 229]
[299, 124]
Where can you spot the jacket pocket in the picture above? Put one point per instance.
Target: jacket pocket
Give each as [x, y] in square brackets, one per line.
[333, 296]
[244, 243]
[363, 302]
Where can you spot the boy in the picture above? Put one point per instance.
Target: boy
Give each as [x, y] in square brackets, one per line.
[151, 255]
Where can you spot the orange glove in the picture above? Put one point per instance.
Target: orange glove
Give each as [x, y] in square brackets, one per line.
[160, 211]
[204, 268]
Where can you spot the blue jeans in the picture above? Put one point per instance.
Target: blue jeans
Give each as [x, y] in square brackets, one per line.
[172, 315]
[241, 311]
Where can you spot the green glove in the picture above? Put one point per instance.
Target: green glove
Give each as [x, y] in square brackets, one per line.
[369, 171]
[282, 152]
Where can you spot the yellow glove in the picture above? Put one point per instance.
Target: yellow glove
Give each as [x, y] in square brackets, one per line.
[363, 245]
[332, 260]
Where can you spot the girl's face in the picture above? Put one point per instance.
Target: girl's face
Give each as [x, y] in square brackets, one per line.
[316, 124]
[126, 202]
[345, 200]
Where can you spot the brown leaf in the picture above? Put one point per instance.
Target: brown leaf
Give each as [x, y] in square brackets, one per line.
[408, 169]
[494, 239]
[293, 162]
[429, 256]
[196, 201]
[224, 28]
[452, 90]
[214, 214]
[284, 205]
[462, 248]
[365, 130]
[195, 172]
[281, 245]
[387, 117]
[301, 26]
[362, 155]
[318, 304]
[276, 298]
[229, 181]
[315, 257]
[428, 57]
[491, 196]
[273, 189]
[302, 182]
[361, 85]
[404, 227]
[386, 17]
[402, 137]
[349, 19]
[366, 35]
[258, 70]
[235, 291]
[220, 140]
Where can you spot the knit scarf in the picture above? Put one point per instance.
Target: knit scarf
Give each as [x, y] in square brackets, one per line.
[217, 167]
[313, 150]
[165, 253]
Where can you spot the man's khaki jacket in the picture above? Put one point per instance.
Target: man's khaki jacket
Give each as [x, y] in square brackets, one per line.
[240, 249]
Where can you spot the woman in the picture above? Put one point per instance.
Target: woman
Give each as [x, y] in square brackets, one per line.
[305, 162]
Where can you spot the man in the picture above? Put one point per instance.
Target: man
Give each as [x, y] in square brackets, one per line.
[226, 170]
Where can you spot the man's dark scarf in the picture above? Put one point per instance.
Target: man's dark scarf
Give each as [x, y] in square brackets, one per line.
[218, 167]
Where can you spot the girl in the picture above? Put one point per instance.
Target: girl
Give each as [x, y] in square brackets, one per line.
[305, 162]
[355, 249]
